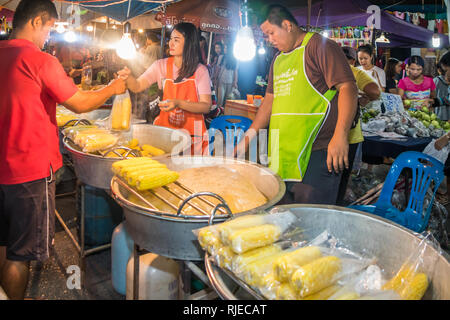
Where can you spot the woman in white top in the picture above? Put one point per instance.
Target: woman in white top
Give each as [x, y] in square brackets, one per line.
[365, 58]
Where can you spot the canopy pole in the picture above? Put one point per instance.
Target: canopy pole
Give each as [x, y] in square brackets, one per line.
[163, 39]
[209, 46]
[308, 21]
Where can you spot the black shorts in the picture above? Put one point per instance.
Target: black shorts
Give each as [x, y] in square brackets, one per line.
[319, 186]
[27, 219]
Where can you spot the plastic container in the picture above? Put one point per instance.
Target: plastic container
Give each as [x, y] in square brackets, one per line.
[158, 278]
[121, 251]
[101, 215]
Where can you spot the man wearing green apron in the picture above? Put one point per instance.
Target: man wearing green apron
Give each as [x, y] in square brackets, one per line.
[310, 103]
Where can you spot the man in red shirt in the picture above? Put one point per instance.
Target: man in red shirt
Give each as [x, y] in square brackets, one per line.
[33, 83]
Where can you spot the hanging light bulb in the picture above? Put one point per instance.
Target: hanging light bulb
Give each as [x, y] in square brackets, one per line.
[141, 30]
[244, 48]
[114, 27]
[436, 40]
[382, 39]
[90, 28]
[262, 50]
[325, 33]
[125, 48]
[70, 36]
[60, 27]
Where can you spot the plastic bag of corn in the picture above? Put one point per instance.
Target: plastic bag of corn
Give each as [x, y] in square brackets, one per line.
[120, 117]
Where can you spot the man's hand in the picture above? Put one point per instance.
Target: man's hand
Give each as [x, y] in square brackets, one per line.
[337, 157]
[118, 85]
[169, 105]
[124, 73]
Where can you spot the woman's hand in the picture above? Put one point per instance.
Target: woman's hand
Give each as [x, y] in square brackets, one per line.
[124, 73]
[168, 105]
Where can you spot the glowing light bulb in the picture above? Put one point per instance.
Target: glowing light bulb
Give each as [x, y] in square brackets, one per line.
[90, 28]
[141, 30]
[60, 28]
[125, 48]
[114, 27]
[326, 34]
[436, 40]
[261, 50]
[70, 36]
[244, 48]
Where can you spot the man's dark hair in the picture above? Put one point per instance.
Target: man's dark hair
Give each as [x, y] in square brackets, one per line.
[276, 14]
[191, 50]
[30, 9]
[150, 35]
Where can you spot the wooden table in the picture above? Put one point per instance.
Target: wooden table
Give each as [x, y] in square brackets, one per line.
[240, 108]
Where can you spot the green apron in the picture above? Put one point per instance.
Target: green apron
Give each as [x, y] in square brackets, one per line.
[298, 113]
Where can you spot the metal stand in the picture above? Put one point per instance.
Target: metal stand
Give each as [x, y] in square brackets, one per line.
[81, 246]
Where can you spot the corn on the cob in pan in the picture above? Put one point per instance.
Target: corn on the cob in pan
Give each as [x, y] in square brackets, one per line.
[408, 283]
[152, 150]
[151, 175]
[242, 260]
[289, 262]
[209, 240]
[227, 228]
[316, 275]
[245, 239]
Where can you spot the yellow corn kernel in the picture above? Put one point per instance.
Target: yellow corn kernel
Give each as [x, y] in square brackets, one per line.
[133, 143]
[224, 257]
[287, 264]
[404, 275]
[99, 142]
[153, 150]
[352, 295]
[286, 292]
[119, 165]
[121, 114]
[155, 181]
[316, 275]
[132, 179]
[415, 289]
[209, 240]
[243, 240]
[323, 294]
[254, 272]
[242, 260]
[227, 228]
[133, 172]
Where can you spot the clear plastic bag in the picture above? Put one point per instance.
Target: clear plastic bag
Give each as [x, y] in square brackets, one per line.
[441, 155]
[120, 118]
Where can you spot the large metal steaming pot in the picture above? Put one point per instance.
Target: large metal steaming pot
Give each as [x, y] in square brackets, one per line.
[364, 233]
[95, 170]
[171, 235]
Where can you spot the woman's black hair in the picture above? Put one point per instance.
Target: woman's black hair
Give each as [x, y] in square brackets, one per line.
[445, 60]
[191, 50]
[367, 48]
[228, 59]
[417, 60]
[389, 69]
[214, 55]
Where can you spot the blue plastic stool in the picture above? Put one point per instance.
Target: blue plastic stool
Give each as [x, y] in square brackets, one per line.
[121, 250]
[232, 127]
[422, 175]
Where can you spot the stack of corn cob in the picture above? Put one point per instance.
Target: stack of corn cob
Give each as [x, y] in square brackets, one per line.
[90, 138]
[144, 173]
[408, 283]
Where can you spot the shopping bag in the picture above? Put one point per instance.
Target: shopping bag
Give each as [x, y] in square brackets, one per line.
[440, 155]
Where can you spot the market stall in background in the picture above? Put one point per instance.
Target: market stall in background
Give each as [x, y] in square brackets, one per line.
[189, 226]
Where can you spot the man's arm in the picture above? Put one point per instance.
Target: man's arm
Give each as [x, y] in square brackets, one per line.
[338, 147]
[85, 101]
[372, 91]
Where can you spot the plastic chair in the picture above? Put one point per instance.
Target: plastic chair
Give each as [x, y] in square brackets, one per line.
[232, 127]
[422, 175]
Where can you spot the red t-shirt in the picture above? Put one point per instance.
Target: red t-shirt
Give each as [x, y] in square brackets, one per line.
[33, 82]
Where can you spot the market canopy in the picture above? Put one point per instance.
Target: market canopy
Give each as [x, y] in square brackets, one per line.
[331, 13]
[121, 10]
[220, 16]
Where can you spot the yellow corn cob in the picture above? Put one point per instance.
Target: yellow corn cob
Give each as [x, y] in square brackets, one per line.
[268, 286]
[323, 294]
[156, 180]
[226, 228]
[121, 114]
[316, 275]
[242, 260]
[404, 275]
[224, 257]
[118, 165]
[209, 240]
[415, 289]
[287, 264]
[132, 179]
[133, 143]
[245, 239]
[254, 272]
[130, 172]
[139, 165]
[99, 142]
[153, 150]
[352, 295]
[286, 292]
